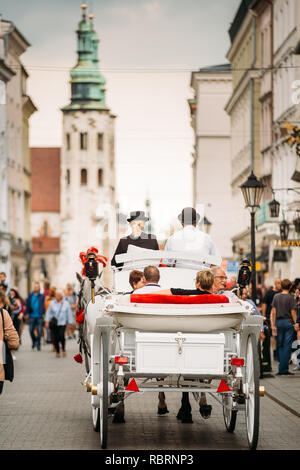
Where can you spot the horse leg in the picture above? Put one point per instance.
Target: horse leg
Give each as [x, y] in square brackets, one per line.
[185, 412]
[205, 409]
[162, 406]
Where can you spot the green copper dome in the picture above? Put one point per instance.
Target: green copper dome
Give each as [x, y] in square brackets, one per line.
[87, 83]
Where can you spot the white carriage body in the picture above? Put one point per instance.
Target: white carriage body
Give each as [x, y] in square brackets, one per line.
[172, 347]
[201, 323]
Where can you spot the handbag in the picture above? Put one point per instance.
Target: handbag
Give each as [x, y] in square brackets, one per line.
[7, 356]
[53, 323]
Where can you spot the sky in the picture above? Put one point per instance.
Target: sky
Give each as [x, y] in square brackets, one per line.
[147, 51]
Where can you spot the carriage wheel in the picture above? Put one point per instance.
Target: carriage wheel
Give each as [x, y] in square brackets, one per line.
[228, 413]
[252, 392]
[96, 419]
[103, 410]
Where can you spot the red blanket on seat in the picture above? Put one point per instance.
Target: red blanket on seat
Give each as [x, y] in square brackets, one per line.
[178, 299]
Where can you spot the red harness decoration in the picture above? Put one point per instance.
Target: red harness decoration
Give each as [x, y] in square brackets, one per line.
[178, 299]
[84, 258]
[79, 316]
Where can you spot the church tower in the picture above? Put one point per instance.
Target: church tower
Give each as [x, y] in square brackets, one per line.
[87, 161]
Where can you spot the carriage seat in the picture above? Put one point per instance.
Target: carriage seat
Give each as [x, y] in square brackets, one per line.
[178, 299]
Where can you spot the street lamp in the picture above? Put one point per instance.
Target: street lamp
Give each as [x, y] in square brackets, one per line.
[252, 191]
[284, 230]
[274, 208]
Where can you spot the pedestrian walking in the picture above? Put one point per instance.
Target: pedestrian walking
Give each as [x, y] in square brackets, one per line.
[283, 323]
[7, 303]
[35, 310]
[58, 316]
[70, 296]
[269, 339]
[48, 299]
[7, 333]
[4, 283]
[17, 310]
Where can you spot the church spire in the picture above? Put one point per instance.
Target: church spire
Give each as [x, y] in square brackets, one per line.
[87, 83]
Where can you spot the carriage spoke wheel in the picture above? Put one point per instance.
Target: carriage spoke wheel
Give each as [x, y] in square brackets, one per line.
[252, 392]
[228, 413]
[96, 419]
[103, 410]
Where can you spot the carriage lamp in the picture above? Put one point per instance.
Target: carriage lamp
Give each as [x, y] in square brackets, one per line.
[244, 275]
[284, 230]
[91, 271]
[252, 191]
[274, 208]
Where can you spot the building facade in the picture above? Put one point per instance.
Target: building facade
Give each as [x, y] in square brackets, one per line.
[286, 60]
[212, 88]
[19, 108]
[45, 213]
[6, 73]
[244, 112]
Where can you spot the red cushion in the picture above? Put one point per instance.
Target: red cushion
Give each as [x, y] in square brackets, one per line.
[178, 299]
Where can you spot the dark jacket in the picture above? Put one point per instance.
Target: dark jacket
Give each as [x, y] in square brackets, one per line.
[146, 240]
[41, 304]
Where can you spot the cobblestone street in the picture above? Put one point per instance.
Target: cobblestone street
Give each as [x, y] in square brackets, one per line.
[46, 407]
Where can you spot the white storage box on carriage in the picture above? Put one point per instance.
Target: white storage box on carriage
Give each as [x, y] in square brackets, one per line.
[179, 353]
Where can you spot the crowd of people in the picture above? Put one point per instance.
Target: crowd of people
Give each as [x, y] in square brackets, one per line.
[278, 304]
[50, 314]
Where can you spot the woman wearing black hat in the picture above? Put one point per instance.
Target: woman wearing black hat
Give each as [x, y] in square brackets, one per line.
[137, 237]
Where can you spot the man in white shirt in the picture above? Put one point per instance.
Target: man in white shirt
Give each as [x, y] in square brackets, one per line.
[190, 238]
[152, 276]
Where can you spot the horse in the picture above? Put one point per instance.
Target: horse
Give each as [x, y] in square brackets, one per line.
[86, 329]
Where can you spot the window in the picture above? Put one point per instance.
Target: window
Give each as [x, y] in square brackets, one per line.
[83, 140]
[83, 177]
[68, 137]
[100, 141]
[45, 229]
[68, 177]
[100, 177]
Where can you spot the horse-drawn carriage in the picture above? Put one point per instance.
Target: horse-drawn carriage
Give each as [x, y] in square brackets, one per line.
[145, 343]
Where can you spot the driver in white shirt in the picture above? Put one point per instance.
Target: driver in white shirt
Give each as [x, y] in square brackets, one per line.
[190, 238]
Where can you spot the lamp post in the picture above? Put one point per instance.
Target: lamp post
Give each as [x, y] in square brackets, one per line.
[252, 191]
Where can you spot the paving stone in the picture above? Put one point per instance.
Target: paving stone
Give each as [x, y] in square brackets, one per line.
[46, 407]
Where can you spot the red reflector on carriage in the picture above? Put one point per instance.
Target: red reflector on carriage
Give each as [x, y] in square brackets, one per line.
[132, 386]
[121, 360]
[237, 361]
[223, 387]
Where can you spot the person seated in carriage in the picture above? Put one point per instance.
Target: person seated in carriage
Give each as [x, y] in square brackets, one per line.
[136, 280]
[151, 280]
[204, 286]
[138, 237]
